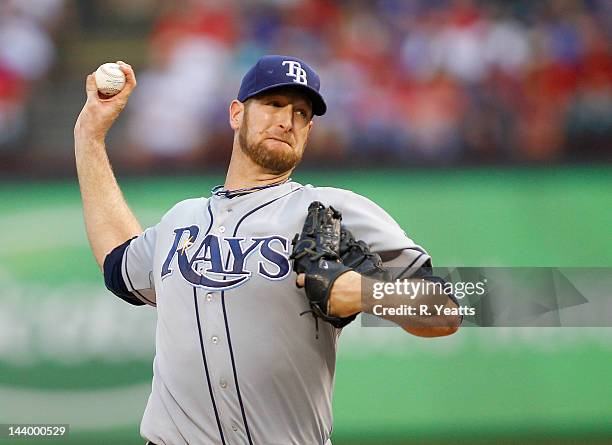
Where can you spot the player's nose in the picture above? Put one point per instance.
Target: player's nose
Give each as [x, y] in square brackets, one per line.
[285, 117]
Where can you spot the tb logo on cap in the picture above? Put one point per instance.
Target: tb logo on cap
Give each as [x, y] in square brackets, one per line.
[296, 71]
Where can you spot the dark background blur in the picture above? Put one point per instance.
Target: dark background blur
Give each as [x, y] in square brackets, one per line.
[420, 82]
[483, 127]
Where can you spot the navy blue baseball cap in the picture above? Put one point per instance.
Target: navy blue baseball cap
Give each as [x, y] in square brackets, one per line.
[283, 71]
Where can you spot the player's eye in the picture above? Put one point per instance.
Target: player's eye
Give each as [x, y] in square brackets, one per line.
[303, 114]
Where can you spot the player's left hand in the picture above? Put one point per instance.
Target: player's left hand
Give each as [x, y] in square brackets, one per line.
[316, 255]
[345, 294]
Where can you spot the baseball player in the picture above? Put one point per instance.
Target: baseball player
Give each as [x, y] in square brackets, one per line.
[243, 355]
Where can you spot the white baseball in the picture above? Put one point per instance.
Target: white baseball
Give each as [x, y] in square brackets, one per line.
[109, 79]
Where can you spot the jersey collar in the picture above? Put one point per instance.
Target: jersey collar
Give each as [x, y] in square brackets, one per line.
[222, 192]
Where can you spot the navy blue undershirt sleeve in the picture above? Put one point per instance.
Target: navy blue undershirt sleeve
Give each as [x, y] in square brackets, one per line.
[113, 278]
[426, 273]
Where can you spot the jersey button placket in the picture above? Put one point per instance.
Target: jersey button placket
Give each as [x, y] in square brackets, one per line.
[216, 347]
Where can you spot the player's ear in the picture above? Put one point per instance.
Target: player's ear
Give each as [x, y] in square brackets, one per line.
[310, 124]
[236, 113]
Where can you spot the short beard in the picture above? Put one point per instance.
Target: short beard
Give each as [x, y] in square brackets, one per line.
[274, 161]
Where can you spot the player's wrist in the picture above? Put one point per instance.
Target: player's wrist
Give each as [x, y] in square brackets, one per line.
[345, 296]
[86, 136]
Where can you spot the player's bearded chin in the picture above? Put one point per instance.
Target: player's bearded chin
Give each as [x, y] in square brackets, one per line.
[276, 161]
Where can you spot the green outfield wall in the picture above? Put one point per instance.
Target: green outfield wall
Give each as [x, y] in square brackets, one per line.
[72, 353]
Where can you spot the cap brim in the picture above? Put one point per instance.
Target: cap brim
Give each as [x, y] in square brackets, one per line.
[319, 107]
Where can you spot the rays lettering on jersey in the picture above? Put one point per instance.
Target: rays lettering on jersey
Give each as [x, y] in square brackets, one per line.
[205, 268]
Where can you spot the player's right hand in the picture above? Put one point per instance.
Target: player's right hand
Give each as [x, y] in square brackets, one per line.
[98, 113]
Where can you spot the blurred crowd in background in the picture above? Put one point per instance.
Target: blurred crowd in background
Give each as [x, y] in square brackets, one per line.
[407, 81]
[27, 51]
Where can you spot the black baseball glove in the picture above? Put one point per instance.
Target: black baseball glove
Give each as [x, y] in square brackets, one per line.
[324, 251]
[357, 256]
[316, 253]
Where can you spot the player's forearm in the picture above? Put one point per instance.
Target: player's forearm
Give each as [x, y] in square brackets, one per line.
[419, 313]
[422, 313]
[108, 219]
[432, 314]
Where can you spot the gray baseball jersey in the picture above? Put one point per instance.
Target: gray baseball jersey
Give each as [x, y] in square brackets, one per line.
[235, 362]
